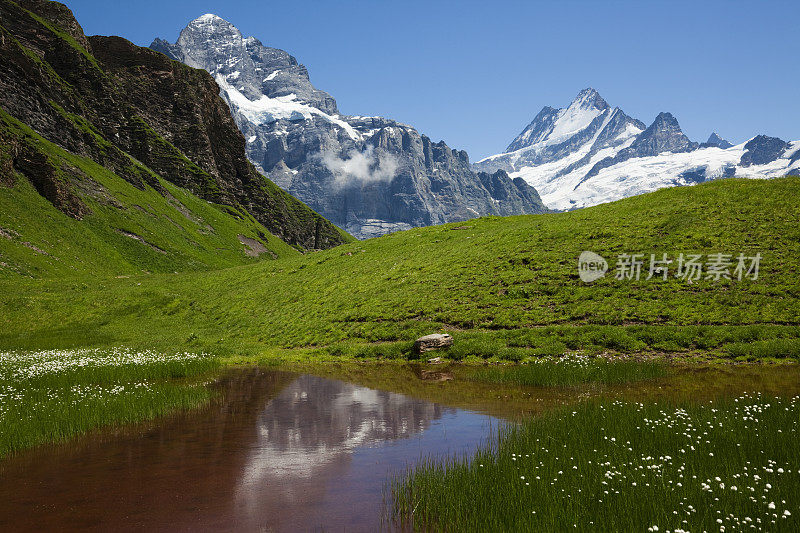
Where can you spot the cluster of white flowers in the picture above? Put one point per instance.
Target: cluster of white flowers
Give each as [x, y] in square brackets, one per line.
[81, 393]
[752, 486]
[9, 396]
[575, 360]
[19, 366]
[24, 399]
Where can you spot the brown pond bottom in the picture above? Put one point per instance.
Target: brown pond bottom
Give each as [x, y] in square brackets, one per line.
[289, 452]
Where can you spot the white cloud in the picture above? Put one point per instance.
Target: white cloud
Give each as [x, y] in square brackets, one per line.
[364, 167]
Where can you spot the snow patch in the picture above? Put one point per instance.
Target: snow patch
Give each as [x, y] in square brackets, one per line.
[267, 110]
[208, 18]
[570, 121]
[641, 175]
[793, 149]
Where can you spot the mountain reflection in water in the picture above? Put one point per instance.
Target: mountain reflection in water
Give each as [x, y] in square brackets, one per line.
[279, 453]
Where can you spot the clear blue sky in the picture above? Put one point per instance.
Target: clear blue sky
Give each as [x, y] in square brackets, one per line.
[475, 73]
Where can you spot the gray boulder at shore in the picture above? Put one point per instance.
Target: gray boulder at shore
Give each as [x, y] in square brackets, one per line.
[434, 341]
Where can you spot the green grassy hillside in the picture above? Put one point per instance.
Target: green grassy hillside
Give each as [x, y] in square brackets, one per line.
[505, 287]
[124, 229]
[130, 125]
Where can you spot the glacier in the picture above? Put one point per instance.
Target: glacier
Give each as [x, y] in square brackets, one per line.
[589, 153]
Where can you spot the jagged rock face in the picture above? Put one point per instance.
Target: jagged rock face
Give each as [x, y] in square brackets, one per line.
[537, 131]
[589, 153]
[663, 135]
[554, 125]
[369, 175]
[762, 150]
[261, 70]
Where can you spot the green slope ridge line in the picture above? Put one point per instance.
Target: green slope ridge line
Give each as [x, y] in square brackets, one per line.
[505, 287]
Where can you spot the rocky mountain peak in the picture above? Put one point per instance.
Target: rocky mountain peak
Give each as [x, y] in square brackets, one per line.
[762, 149]
[369, 175]
[716, 140]
[244, 64]
[588, 125]
[589, 98]
[556, 126]
[663, 135]
[588, 153]
[210, 26]
[208, 20]
[666, 120]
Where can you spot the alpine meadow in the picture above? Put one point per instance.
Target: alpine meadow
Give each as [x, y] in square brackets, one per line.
[227, 305]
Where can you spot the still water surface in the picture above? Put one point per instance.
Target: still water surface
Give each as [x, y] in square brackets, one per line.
[281, 452]
[288, 452]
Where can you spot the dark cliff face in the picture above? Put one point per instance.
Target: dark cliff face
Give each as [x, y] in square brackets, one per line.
[663, 135]
[111, 101]
[369, 175]
[761, 150]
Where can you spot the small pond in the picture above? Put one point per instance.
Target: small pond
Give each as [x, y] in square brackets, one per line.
[282, 451]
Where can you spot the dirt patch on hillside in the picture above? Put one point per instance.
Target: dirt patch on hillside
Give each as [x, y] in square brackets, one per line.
[141, 240]
[254, 248]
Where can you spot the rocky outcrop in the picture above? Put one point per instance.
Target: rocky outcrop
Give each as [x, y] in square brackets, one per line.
[663, 135]
[43, 175]
[761, 150]
[369, 175]
[121, 105]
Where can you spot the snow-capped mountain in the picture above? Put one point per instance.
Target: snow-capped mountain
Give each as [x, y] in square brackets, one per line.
[368, 175]
[588, 153]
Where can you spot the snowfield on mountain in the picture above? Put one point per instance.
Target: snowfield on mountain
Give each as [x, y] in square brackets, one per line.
[589, 153]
